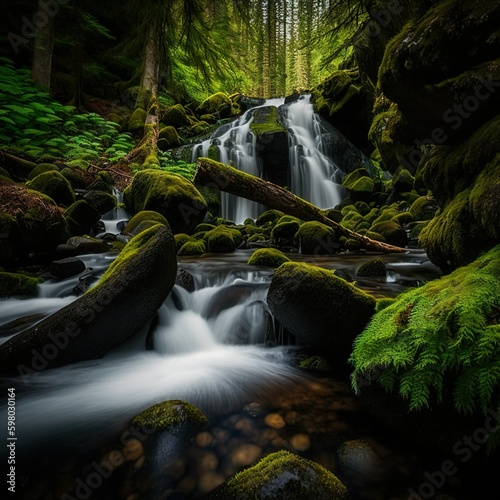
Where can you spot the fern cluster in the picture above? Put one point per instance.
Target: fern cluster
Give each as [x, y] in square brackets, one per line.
[33, 123]
[173, 166]
[442, 337]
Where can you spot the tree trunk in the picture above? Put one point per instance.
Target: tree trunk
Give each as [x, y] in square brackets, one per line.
[42, 50]
[230, 180]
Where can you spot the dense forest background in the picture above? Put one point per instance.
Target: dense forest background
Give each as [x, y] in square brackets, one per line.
[100, 49]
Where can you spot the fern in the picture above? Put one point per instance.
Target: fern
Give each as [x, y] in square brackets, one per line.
[444, 331]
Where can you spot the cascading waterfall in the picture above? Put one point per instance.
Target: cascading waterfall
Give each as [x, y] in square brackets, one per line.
[312, 172]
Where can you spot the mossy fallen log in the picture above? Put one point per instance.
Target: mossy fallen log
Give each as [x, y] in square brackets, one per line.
[231, 180]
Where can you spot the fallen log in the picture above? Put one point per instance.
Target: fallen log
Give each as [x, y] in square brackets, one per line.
[231, 180]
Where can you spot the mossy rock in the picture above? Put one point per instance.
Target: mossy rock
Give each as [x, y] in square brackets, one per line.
[402, 181]
[101, 200]
[137, 121]
[76, 176]
[168, 138]
[142, 216]
[362, 208]
[334, 215]
[393, 233]
[434, 348]
[218, 104]
[269, 216]
[15, 285]
[283, 232]
[200, 128]
[282, 476]
[375, 268]
[257, 238]
[171, 195]
[192, 248]
[84, 214]
[181, 239]
[403, 218]
[269, 257]
[317, 364]
[222, 239]
[424, 208]
[315, 238]
[175, 116]
[41, 168]
[341, 310]
[266, 120]
[204, 227]
[55, 186]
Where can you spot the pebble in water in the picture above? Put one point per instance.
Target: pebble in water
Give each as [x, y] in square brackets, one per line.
[301, 442]
[274, 420]
[132, 450]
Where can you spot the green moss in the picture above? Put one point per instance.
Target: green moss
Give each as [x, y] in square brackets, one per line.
[257, 237]
[171, 195]
[84, 214]
[282, 475]
[192, 248]
[424, 208]
[14, 284]
[269, 216]
[175, 116]
[384, 302]
[222, 239]
[362, 208]
[267, 257]
[402, 181]
[283, 233]
[315, 238]
[170, 414]
[266, 121]
[42, 168]
[144, 215]
[168, 138]
[181, 239]
[442, 337]
[317, 364]
[393, 233]
[372, 268]
[403, 218]
[137, 121]
[55, 186]
[218, 104]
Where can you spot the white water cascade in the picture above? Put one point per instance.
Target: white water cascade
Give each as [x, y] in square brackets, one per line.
[207, 349]
[312, 172]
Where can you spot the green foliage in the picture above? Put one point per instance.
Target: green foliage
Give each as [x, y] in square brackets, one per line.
[31, 122]
[173, 166]
[447, 332]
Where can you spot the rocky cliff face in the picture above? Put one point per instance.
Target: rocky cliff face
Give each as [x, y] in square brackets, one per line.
[435, 112]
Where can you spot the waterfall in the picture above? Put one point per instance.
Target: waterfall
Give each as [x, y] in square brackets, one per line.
[313, 173]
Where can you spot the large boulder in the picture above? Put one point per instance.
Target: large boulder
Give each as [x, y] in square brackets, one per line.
[217, 104]
[125, 299]
[54, 185]
[171, 195]
[320, 309]
[282, 476]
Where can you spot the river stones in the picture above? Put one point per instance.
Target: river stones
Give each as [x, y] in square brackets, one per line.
[282, 475]
[125, 299]
[320, 309]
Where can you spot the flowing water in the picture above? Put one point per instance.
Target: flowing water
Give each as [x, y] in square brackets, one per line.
[312, 173]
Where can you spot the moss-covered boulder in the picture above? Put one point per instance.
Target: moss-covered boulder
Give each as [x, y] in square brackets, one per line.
[392, 232]
[222, 239]
[55, 186]
[270, 257]
[282, 476]
[125, 300]
[272, 216]
[402, 181]
[41, 168]
[170, 426]
[433, 72]
[175, 116]
[18, 285]
[315, 238]
[191, 248]
[169, 138]
[218, 104]
[375, 268]
[137, 121]
[181, 239]
[101, 200]
[82, 245]
[171, 195]
[432, 352]
[424, 208]
[359, 185]
[143, 216]
[284, 232]
[31, 221]
[84, 214]
[319, 308]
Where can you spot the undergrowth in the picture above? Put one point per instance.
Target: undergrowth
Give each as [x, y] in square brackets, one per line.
[33, 124]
